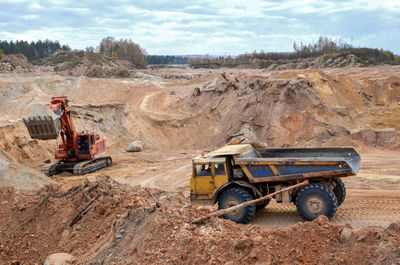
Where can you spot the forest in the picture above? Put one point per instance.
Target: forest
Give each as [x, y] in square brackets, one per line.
[126, 49]
[33, 50]
[325, 46]
[123, 49]
[167, 59]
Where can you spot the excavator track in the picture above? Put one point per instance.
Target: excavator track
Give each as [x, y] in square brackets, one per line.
[92, 165]
[51, 168]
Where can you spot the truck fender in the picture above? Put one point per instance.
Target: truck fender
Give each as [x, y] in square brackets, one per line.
[247, 185]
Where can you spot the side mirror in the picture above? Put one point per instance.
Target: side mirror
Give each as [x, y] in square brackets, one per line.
[97, 137]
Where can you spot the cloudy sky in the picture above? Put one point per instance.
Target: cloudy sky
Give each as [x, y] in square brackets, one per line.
[200, 27]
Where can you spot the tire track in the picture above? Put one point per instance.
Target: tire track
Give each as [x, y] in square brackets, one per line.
[358, 211]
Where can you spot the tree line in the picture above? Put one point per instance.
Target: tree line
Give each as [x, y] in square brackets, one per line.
[167, 59]
[33, 50]
[323, 47]
[127, 49]
[109, 47]
[123, 49]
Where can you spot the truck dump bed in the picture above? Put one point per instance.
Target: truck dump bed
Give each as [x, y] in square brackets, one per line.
[280, 164]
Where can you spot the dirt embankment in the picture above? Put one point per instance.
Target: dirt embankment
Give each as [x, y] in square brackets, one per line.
[15, 63]
[134, 225]
[79, 63]
[14, 174]
[296, 108]
[357, 107]
[325, 61]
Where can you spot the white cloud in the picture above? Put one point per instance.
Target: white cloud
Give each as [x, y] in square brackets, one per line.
[208, 26]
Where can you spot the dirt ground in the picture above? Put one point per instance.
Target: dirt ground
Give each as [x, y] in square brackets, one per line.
[345, 106]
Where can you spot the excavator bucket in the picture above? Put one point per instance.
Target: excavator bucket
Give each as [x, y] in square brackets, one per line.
[42, 127]
[43, 123]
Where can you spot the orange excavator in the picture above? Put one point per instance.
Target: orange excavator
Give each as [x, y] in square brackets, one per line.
[77, 151]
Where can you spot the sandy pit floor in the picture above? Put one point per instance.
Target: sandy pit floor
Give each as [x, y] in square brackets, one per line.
[331, 107]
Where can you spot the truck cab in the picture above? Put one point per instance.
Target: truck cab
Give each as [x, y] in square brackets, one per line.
[208, 175]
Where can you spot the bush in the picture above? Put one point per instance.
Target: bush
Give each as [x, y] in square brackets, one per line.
[1, 53]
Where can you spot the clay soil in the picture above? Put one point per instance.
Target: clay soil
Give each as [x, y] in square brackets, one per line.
[141, 214]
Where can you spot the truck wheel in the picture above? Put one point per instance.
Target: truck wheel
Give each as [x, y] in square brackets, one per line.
[315, 200]
[262, 205]
[234, 196]
[339, 190]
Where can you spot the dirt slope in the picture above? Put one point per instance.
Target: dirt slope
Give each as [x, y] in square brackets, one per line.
[14, 174]
[79, 63]
[332, 107]
[133, 225]
[301, 108]
[15, 63]
[352, 106]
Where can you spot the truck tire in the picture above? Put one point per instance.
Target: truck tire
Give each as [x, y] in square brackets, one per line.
[262, 205]
[339, 190]
[315, 200]
[234, 196]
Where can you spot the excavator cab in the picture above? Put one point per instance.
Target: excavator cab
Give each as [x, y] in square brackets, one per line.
[84, 144]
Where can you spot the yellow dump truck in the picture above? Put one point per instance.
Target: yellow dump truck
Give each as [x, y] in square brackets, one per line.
[237, 173]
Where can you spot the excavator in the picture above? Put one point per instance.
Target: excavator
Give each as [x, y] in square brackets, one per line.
[77, 151]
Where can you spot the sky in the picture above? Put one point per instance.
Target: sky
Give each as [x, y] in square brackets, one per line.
[216, 27]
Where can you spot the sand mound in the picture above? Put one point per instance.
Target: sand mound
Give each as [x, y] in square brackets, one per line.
[15, 63]
[79, 63]
[14, 174]
[296, 108]
[134, 225]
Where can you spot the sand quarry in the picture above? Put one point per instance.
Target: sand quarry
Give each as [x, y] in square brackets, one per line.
[142, 211]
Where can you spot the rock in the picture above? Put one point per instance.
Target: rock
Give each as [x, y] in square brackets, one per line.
[254, 253]
[395, 227]
[243, 243]
[60, 259]
[387, 137]
[301, 76]
[361, 238]
[14, 174]
[135, 146]
[368, 136]
[205, 231]
[162, 199]
[322, 220]
[64, 236]
[144, 75]
[346, 235]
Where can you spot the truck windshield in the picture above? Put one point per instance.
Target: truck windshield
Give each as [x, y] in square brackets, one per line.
[203, 170]
[219, 169]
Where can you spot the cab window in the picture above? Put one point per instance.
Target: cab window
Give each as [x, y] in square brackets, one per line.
[219, 169]
[203, 170]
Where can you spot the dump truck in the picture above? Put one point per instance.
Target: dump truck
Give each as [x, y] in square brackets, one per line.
[234, 174]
